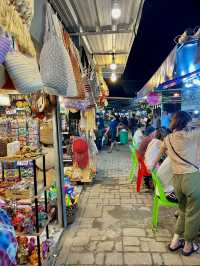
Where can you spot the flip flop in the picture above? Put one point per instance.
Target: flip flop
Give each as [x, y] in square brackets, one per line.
[181, 243]
[194, 249]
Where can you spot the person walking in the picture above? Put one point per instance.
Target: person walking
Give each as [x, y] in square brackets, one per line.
[112, 131]
[182, 148]
[133, 123]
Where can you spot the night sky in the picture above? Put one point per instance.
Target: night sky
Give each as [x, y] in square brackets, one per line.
[161, 22]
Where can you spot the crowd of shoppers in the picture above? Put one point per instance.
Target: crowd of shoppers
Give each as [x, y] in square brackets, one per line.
[171, 144]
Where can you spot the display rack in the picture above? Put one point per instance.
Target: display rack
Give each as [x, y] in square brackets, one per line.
[39, 231]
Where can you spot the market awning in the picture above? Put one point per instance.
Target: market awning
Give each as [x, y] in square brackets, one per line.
[101, 35]
[182, 65]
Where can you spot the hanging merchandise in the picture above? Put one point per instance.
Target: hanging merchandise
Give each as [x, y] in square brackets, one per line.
[94, 84]
[76, 104]
[88, 120]
[2, 76]
[4, 47]
[13, 23]
[104, 92]
[25, 8]
[80, 152]
[153, 98]
[55, 64]
[50, 158]
[46, 132]
[24, 72]
[88, 91]
[75, 64]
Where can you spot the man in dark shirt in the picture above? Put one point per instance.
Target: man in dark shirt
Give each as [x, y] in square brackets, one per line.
[133, 122]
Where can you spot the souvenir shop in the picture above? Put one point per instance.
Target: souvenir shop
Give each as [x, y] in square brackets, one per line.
[48, 103]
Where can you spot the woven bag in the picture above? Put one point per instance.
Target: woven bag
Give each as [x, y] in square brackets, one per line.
[46, 132]
[4, 47]
[24, 72]
[55, 64]
[25, 8]
[75, 65]
[50, 159]
[11, 22]
[2, 76]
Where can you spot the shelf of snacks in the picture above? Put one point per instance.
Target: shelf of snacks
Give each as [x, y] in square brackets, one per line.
[27, 189]
[28, 218]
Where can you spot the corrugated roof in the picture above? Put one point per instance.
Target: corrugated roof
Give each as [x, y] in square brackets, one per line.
[102, 35]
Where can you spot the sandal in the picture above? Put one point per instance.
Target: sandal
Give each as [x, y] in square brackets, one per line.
[181, 244]
[194, 249]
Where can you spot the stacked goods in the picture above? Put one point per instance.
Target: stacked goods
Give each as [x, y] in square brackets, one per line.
[22, 131]
[33, 133]
[11, 172]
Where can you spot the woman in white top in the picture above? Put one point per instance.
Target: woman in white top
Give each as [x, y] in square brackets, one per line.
[182, 148]
[138, 135]
[153, 148]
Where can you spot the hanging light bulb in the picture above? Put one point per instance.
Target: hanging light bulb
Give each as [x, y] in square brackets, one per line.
[116, 11]
[113, 77]
[113, 65]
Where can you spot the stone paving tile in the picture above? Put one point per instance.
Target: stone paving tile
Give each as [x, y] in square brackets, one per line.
[113, 224]
[137, 259]
[114, 259]
[81, 259]
[172, 259]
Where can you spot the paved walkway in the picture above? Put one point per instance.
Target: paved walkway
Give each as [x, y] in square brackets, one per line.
[113, 226]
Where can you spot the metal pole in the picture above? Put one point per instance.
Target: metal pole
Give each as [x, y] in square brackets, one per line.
[62, 217]
[36, 213]
[45, 192]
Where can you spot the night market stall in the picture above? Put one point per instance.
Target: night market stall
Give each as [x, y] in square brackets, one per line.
[40, 133]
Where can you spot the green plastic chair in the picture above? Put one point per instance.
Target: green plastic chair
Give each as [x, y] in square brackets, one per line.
[134, 162]
[159, 200]
[134, 144]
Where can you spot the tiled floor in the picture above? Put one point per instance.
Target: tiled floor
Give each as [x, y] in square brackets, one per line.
[113, 226]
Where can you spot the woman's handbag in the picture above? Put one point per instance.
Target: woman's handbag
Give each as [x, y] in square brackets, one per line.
[24, 72]
[55, 64]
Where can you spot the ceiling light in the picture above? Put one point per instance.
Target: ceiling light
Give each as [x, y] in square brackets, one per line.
[116, 11]
[196, 112]
[113, 77]
[176, 94]
[113, 66]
